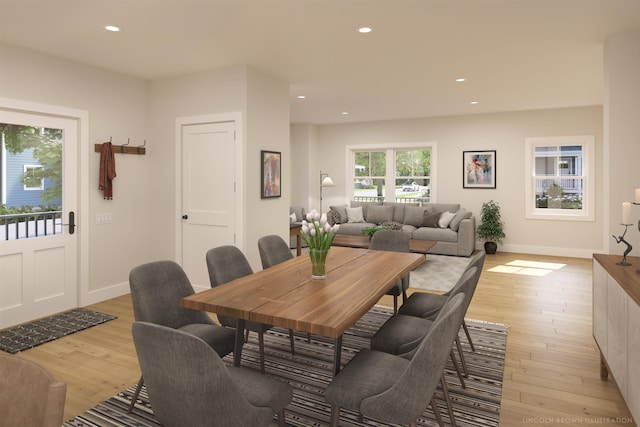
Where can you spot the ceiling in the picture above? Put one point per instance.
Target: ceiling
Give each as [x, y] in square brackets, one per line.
[514, 54]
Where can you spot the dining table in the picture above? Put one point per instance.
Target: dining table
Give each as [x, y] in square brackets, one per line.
[285, 295]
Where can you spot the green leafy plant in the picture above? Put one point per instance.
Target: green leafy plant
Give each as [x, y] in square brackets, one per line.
[370, 231]
[491, 227]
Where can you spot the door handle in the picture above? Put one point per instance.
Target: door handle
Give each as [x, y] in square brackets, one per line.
[72, 222]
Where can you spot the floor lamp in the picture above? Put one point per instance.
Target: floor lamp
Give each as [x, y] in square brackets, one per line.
[325, 181]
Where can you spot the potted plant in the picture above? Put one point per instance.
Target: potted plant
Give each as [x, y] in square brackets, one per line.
[491, 227]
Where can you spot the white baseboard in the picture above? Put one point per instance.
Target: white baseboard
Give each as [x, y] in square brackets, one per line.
[99, 295]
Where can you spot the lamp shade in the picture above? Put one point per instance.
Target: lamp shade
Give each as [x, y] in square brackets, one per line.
[327, 182]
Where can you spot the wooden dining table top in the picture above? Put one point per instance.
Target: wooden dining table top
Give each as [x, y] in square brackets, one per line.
[285, 295]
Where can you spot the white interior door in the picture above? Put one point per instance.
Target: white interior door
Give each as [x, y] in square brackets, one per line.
[39, 274]
[208, 194]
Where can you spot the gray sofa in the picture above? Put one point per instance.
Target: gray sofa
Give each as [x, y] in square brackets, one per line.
[452, 227]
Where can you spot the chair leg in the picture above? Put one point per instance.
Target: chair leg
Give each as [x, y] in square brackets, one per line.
[246, 335]
[281, 418]
[395, 304]
[466, 331]
[135, 395]
[445, 391]
[457, 368]
[293, 350]
[261, 347]
[335, 416]
[436, 411]
[309, 337]
[464, 362]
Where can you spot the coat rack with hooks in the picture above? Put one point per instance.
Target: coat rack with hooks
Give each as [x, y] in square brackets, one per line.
[124, 148]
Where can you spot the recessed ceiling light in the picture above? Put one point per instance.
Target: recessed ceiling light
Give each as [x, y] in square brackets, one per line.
[344, 113]
[364, 30]
[460, 80]
[473, 102]
[302, 96]
[112, 28]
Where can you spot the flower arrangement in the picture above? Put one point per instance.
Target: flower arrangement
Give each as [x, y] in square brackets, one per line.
[318, 234]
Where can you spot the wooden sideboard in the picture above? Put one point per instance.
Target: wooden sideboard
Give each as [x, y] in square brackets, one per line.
[616, 324]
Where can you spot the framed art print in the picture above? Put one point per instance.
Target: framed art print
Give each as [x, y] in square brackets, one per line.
[479, 169]
[270, 162]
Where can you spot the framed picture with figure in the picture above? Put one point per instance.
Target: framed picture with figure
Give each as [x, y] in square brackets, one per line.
[270, 162]
[479, 169]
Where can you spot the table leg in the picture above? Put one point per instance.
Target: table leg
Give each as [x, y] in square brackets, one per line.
[337, 355]
[237, 348]
[298, 244]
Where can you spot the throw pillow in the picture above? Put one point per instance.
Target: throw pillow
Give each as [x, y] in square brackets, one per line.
[355, 214]
[342, 210]
[292, 218]
[430, 219]
[392, 225]
[460, 215]
[445, 219]
[378, 214]
[333, 217]
[413, 215]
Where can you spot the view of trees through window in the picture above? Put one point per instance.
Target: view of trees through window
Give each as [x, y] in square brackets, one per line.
[30, 175]
[410, 178]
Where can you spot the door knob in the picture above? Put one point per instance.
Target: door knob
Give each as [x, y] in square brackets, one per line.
[185, 216]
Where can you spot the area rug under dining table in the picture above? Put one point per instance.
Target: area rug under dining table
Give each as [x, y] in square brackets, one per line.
[310, 370]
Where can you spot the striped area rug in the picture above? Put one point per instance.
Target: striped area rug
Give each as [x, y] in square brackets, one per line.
[310, 370]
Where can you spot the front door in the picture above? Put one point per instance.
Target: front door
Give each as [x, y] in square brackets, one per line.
[38, 254]
[208, 194]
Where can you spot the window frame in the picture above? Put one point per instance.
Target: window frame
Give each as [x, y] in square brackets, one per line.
[390, 177]
[587, 142]
[26, 168]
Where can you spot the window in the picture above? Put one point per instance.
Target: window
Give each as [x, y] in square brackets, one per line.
[401, 173]
[32, 180]
[560, 178]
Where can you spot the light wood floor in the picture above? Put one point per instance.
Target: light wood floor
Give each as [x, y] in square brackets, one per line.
[552, 363]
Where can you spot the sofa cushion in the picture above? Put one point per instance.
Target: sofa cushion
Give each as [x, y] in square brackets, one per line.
[355, 214]
[462, 214]
[342, 210]
[378, 214]
[445, 219]
[443, 207]
[354, 228]
[413, 215]
[292, 218]
[364, 205]
[435, 234]
[430, 219]
[298, 211]
[398, 209]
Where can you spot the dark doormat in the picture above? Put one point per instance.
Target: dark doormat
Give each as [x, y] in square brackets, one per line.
[32, 334]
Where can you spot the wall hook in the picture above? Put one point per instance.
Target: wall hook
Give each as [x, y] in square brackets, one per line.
[122, 149]
[140, 147]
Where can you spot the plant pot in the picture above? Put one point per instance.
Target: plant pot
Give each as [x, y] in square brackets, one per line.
[490, 247]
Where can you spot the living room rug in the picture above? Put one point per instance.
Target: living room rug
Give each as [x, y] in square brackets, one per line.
[32, 334]
[310, 370]
[438, 272]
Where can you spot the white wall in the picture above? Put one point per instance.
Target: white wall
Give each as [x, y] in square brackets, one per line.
[503, 132]
[622, 135]
[118, 107]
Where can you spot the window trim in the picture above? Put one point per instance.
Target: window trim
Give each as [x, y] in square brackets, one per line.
[25, 168]
[587, 213]
[390, 167]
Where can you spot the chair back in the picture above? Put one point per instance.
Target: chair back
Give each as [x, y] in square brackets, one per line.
[477, 261]
[156, 290]
[30, 395]
[406, 400]
[187, 382]
[226, 263]
[273, 250]
[390, 240]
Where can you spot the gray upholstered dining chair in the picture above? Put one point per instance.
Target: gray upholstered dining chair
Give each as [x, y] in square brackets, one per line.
[401, 334]
[227, 263]
[396, 241]
[427, 305]
[391, 388]
[189, 385]
[30, 395]
[274, 250]
[156, 290]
